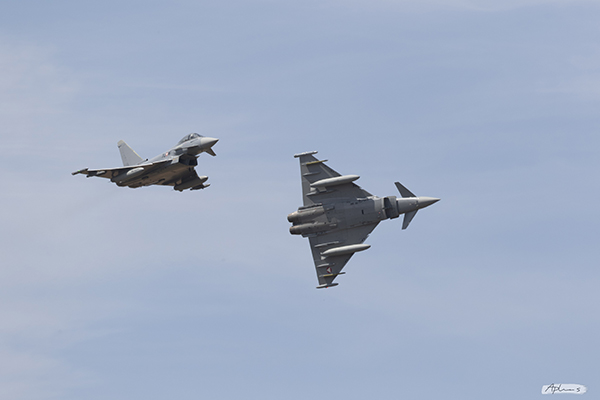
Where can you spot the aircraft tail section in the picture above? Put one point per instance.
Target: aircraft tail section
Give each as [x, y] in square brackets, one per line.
[128, 155]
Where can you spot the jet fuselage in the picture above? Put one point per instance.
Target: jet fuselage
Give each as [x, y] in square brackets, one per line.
[183, 159]
[344, 214]
[175, 167]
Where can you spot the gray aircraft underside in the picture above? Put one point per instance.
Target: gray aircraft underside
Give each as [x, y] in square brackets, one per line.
[338, 215]
[175, 167]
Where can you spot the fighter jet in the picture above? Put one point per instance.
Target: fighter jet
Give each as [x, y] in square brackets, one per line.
[338, 215]
[175, 167]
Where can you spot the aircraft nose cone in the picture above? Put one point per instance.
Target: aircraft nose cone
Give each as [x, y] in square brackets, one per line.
[427, 201]
[208, 142]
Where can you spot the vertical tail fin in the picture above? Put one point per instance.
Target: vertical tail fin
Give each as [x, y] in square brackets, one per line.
[128, 155]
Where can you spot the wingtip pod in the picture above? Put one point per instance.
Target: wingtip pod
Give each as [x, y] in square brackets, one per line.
[326, 285]
[81, 171]
[306, 153]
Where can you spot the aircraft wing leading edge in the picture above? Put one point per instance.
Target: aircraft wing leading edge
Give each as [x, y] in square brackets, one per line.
[312, 171]
[114, 172]
[329, 267]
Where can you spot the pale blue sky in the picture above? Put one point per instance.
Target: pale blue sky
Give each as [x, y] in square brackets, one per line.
[115, 293]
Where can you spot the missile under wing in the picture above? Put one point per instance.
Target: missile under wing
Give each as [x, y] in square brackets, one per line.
[175, 167]
[338, 215]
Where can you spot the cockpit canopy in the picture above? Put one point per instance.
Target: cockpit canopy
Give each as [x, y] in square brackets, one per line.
[189, 137]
